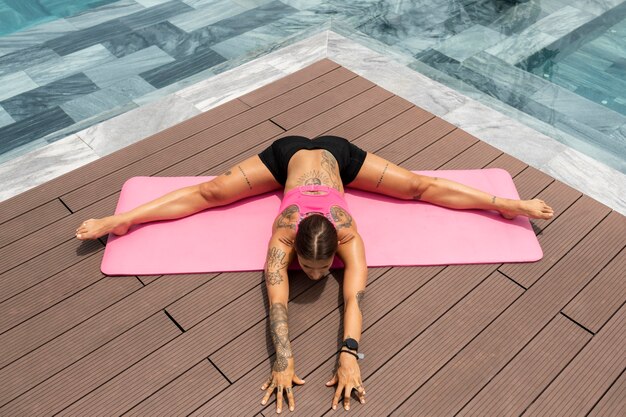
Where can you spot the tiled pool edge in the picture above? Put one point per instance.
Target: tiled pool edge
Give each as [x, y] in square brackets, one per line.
[573, 168]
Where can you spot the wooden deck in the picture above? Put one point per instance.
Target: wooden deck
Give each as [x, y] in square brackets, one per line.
[546, 338]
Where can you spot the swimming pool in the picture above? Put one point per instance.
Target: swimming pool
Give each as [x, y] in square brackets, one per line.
[17, 15]
[101, 58]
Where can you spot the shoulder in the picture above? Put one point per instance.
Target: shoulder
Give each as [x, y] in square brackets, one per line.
[342, 219]
[287, 220]
[284, 227]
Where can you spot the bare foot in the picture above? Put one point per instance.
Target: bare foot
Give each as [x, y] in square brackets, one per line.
[94, 228]
[534, 209]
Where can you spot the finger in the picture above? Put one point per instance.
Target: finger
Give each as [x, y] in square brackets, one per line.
[267, 395]
[337, 397]
[279, 399]
[298, 380]
[360, 391]
[267, 384]
[292, 402]
[332, 381]
[346, 397]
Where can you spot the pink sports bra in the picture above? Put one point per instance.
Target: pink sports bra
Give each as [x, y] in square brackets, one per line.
[314, 203]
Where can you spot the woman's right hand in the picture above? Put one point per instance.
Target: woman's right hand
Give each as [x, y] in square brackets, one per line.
[282, 379]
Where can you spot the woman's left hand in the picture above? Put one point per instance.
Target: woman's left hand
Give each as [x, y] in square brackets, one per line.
[347, 377]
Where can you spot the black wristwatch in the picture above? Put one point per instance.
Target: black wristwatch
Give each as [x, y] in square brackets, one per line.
[351, 344]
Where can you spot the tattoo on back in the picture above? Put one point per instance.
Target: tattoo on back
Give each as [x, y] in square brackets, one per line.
[279, 331]
[313, 177]
[329, 164]
[342, 218]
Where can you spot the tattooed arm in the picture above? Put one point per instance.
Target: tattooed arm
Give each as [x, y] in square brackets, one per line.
[348, 374]
[279, 255]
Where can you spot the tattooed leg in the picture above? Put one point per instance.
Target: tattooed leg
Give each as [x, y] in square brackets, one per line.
[245, 176]
[382, 175]
[280, 336]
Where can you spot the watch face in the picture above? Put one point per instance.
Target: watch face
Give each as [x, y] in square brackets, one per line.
[351, 344]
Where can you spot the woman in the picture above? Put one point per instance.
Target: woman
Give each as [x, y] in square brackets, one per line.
[314, 224]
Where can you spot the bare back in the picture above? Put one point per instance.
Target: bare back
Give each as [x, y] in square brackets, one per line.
[313, 167]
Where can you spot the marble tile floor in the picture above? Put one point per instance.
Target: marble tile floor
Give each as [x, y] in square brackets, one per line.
[506, 133]
[171, 44]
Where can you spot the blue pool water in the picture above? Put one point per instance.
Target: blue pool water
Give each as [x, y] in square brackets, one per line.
[593, 67]
[20, 14]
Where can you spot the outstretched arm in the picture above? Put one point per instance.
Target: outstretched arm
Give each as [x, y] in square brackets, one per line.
[279, 255]
[348, 374]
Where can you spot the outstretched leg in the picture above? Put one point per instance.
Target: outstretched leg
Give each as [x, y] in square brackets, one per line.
[381, 176]
[249, 178]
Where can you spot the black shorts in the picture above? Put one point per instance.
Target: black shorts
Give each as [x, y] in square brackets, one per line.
[349, 156]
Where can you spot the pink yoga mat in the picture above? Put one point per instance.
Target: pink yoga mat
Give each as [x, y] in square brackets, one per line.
[395, 232]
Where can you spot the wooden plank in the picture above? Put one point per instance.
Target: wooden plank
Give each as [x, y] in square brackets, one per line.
[49, 263]
[184, 394]
[77, 178]
[29, 221]
[61, 317]
[92, 333]
[337, 95]
[430, 348]
[569, 228]
[441, 151]
[476, 156]
[148, 279]
[86, 374]
[599, 300]
[342, 113]
[393, 129]
[462, 378]
[531, 179]
[362, 123]
[613, 403]
[530, 372]
[505, 161]
[212, 296]
[413, 142]
[57, 288]
[285, 84]
[592, 372]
